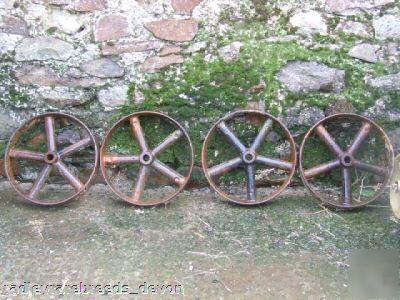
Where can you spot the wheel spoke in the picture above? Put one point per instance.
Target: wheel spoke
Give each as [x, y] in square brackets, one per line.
[225, 167]
[64, 172]
[120, 159]
[265, 129]
[172, 138]
[346, 186]
[320, 169]
[274, 163]
[25, 154]
[140, 184]
[360, 137]
[251, 182]
[75, 147]
[40, 181]
[167, 171]
[378, 170]
[328, 139]
[51, 140]
[138, 133]
[231, 136]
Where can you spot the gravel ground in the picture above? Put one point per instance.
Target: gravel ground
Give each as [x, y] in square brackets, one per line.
[196, 245]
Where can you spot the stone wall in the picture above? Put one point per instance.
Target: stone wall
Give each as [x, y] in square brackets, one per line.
[197, 60]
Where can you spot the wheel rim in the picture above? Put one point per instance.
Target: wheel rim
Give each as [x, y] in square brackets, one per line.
[248, 156]
[346, 159]
[147, 158]
[53, 159]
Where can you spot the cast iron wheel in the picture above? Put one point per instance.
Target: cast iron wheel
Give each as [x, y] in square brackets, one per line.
[147, 158]
[249, 154]
[353, 144]
[56, 160]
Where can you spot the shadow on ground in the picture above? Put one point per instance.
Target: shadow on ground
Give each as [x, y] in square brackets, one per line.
[291, 248]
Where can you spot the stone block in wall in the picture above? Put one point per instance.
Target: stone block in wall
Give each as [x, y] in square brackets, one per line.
[387, 27]
[156, 63]
[196, 47]
[63, 96]
[43, 48]
[111, 27]
[128, 47]
[354, 28]
[365, 52]
[388, 83]
[382, 110]
[302, 116]
[45, 76]
[38, 75]
[64, 21]
[305, 77]
[8, 42]
[13, 25]
[173, 30]
[103, 68]
[309, 22]
[89, 5]
[184, 6]
[113, 97]
[352, 7]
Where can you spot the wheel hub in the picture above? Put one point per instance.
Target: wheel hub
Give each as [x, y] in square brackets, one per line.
[346, 160]
[249, 157]
[146, 158]
[51, 157]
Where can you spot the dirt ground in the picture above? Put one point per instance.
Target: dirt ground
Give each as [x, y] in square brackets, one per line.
[203, 247]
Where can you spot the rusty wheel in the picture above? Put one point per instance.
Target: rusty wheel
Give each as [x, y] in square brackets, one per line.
[229, 160]
[346, 161]
[147, 149]
[50, 148]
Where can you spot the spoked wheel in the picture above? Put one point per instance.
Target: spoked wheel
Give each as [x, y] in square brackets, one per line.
[147, 149]
[395, 189]
[346, 161]
[51, 148]
[236, 151]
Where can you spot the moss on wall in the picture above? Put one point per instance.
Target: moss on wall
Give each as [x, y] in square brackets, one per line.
[199, 92]
[12, 93]
[3, 146]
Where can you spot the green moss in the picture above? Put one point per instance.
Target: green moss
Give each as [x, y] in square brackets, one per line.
[58, 67]
[16, 97]
[131, 90]
[7, 57]
[265, 9]
[12, 93]
[51, 30]
[3, 146]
